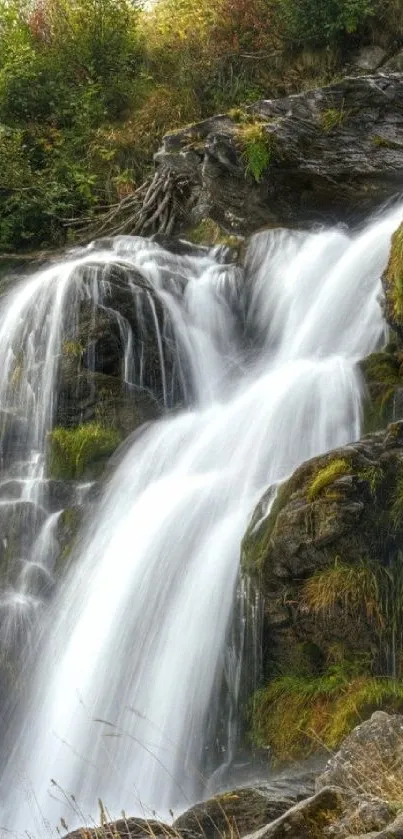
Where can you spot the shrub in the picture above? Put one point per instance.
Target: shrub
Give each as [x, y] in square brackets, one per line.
[316, 21]
[257, 149]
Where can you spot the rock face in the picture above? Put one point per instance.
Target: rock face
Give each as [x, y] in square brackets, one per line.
[326, 154]
[340, 507]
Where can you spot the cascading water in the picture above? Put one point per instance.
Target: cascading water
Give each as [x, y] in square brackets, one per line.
[127, 683]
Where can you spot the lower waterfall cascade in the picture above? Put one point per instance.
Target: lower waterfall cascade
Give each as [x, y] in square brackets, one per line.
[132, 663]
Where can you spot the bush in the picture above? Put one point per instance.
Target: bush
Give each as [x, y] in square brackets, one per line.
[318, 21]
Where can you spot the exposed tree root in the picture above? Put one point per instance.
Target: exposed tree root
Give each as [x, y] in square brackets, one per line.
[155, 207]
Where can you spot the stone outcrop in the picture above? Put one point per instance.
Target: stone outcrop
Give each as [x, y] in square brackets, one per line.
[328, 154]
[340, 507]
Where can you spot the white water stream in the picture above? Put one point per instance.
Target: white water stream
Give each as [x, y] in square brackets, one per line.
[136, 654]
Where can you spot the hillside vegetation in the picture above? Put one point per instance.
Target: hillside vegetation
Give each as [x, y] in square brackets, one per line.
[89, 87]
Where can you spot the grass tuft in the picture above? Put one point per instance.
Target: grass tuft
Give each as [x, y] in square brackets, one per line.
[326, 476]
[73, 449]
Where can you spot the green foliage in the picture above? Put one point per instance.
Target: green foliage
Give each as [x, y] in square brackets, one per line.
[89, 87]
[296, 714]
[316, 21]
[72, 450]
[326, 476]
[257, 149]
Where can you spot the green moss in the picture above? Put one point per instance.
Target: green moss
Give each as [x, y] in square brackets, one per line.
[73, 349]
[382, 375]
[72, 450]
[296, 714]
[384, 142]
[326, 476]
[393, 279]
[258, 148]
[257, 538]
[208, 232]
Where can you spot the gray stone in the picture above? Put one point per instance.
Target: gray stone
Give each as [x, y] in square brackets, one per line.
[335, 152]
[370, 58]
[395, 64]
[370, 759]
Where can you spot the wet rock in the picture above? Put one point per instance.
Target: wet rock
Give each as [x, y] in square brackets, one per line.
[20, 522]
[13, 437]
[92, 396]
[234, 813]
[333, 153]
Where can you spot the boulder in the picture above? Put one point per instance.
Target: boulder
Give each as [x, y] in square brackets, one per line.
[326, 154]
[394, 64]
[370, 759]
[233, 813]
[370, 58]
[339, 507]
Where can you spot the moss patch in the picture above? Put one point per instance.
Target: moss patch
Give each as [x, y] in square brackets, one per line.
[73, 449]
[393, 282]
[326, 476]
[208, 232]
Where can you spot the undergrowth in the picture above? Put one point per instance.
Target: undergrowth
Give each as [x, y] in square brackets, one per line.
[295, 715]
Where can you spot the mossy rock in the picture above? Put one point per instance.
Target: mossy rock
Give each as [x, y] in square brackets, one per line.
[383, 375]
[239, 812]
[345, 507]
[68, 527]
[74, 452]
[85, 396]
[20, 523]
[208, 232]
[392, 281]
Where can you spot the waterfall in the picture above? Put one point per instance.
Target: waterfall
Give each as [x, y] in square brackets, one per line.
[257, 373]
